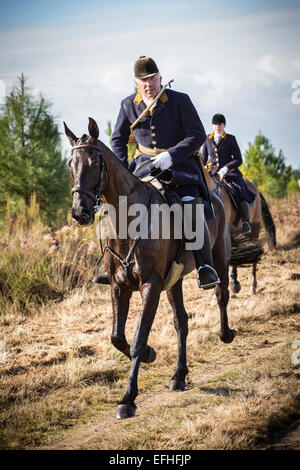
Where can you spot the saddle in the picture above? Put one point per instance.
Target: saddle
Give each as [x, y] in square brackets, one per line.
[232, 196]
[170, 197]
[230, 191]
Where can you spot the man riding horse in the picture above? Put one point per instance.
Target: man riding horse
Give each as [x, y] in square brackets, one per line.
[222, 156]
[167, 137]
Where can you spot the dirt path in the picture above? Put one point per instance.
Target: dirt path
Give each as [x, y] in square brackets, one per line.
[80, 436]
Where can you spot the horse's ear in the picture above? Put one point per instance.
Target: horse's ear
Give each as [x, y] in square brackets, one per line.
[93, 128]
[72, 137]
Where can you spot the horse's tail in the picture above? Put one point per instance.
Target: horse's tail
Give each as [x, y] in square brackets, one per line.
[244, 250]
[268, 223]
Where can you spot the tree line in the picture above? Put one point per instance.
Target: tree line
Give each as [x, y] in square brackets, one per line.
[32, 160]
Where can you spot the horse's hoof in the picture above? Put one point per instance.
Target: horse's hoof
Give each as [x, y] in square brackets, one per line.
[125, 411]
[149, 355]
[230, 338]
[236, 288]
[177, 385]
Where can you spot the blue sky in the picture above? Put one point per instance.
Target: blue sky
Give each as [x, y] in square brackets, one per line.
[238, 58]
[36, 12]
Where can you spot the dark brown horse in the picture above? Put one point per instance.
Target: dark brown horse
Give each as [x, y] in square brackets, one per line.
[96, 171]
[259, 216]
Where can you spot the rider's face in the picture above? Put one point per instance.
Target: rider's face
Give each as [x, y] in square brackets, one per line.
[219, 128]
[150, 86]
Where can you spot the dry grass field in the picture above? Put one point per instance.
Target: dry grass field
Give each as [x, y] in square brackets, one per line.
[61, 378]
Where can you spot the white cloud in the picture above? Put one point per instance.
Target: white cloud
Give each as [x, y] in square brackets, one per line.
[296, 65]
[218, 86]
[279, 67]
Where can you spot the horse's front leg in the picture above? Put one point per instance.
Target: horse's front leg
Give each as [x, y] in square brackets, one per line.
[227, 335]
[222, 292]
[150, 292]
[175, 298]
[120, 296]
[254, 280]
[235, 285]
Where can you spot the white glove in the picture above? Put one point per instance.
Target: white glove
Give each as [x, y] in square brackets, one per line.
[223, 172]
[163, 161]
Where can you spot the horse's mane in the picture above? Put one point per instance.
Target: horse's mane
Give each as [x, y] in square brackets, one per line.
[107, 152]
[109, 156]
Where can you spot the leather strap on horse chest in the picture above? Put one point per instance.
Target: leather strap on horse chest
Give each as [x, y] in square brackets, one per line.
[125, 261]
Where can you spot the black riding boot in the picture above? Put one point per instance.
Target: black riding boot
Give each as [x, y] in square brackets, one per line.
[101, 279]
[206, 275]
[244, 208]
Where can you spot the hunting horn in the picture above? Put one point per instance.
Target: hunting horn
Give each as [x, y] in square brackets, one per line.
[151, 104]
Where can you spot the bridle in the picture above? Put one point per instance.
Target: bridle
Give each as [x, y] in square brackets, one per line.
[78, 189]
[125, 262]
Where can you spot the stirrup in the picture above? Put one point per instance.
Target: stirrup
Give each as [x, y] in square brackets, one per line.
[101, 279]
[209, 285]
[246, 227]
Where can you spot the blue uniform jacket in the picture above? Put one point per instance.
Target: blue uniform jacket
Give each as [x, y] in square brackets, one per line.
[226, 153]
[174, 126]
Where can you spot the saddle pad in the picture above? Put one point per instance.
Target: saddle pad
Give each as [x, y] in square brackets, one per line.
[173, 275]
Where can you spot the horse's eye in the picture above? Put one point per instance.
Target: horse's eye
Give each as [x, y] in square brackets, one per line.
[95, 162]
[69, 162]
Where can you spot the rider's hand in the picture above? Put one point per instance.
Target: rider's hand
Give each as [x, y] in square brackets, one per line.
[223, 172]
[163, 161]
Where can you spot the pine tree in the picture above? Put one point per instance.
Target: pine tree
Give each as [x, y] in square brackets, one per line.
[30, 152]
[266, 169]
[109, 132]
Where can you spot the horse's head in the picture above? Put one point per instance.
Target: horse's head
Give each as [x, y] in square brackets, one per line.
[86, 168]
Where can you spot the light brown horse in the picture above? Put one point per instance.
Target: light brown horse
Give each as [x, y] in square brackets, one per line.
[259, 215]
[96, 172]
